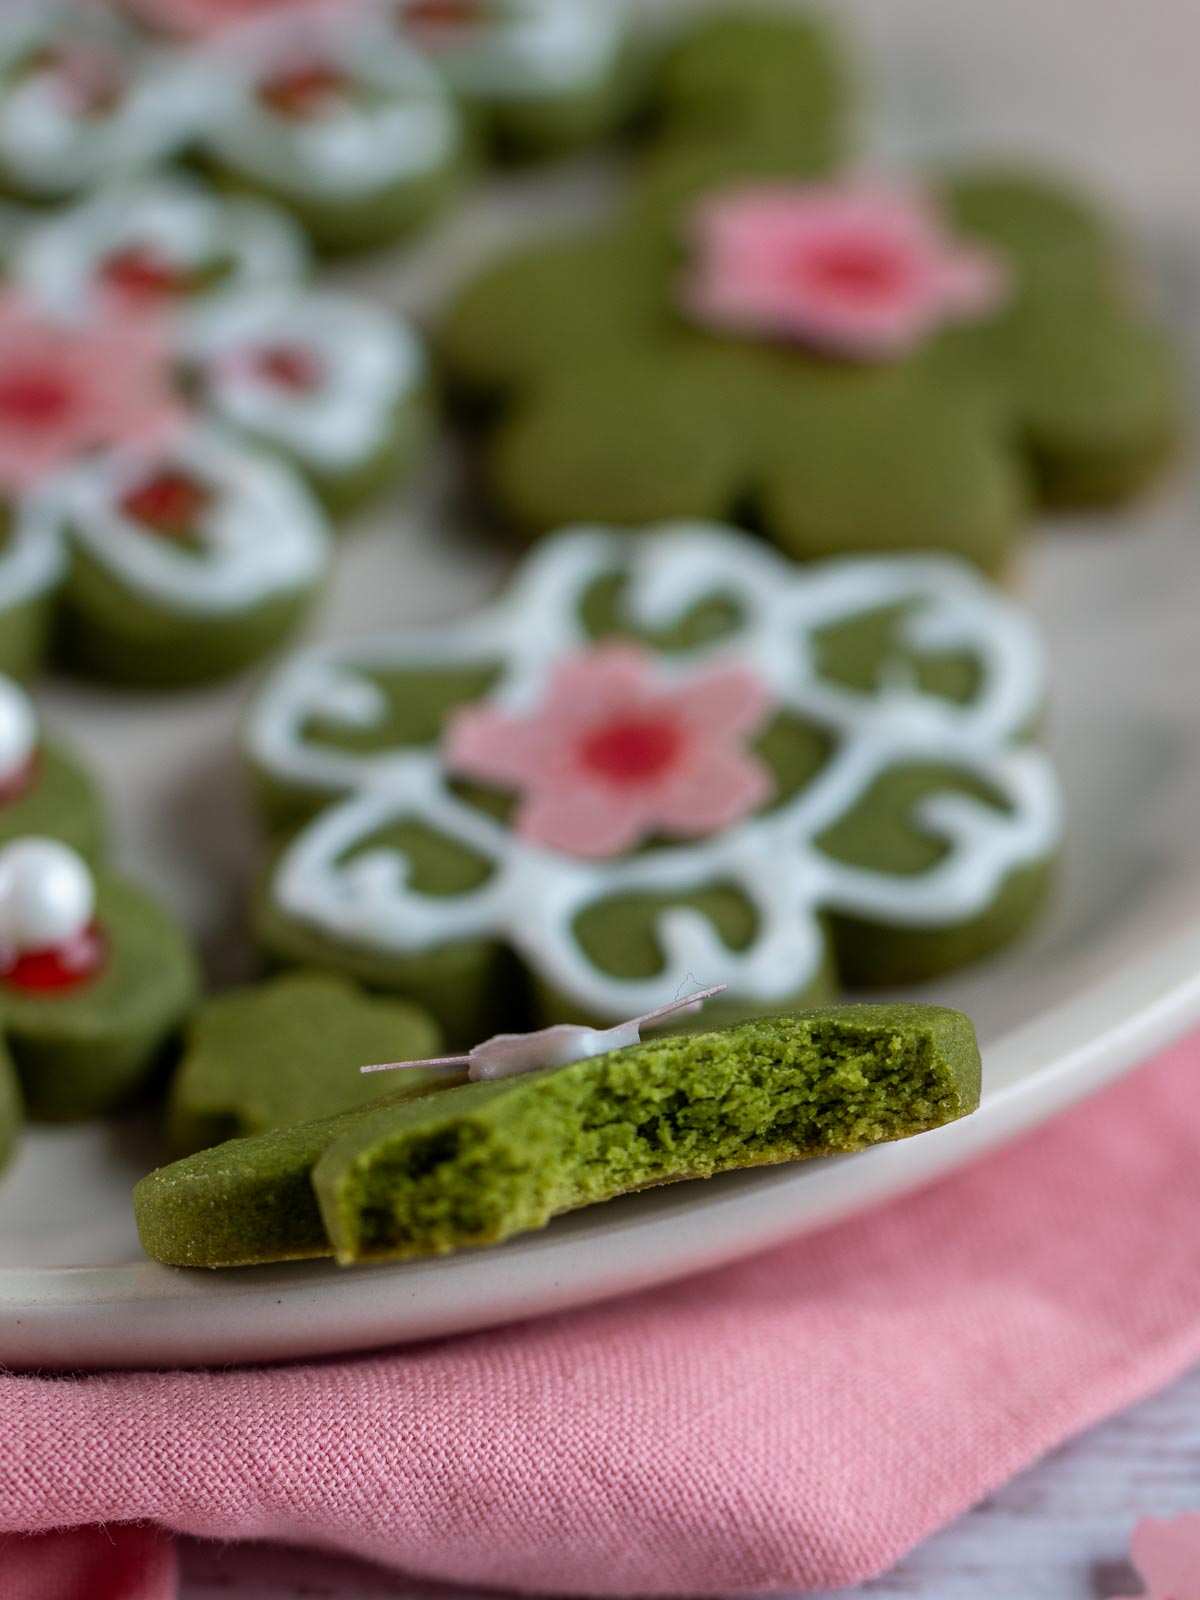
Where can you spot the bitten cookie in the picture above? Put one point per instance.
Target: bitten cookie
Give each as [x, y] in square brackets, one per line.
[289, 1051]
[661, 758]
[43, 790]
[475, 1164]
[95, 979]
[846, 362]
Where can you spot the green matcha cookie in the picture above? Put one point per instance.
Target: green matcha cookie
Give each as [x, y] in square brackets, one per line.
[539, 76]
[844, 363]
[95, 980]
[348, 127]
[287, 1052]
[42, 789]
[661, 759]
[475, 1164]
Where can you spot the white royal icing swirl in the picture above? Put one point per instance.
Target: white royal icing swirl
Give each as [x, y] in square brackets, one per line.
[57, 263]
[530, 48]
[47, 894]
[262, 536]
[533, 897]
[18, 729]
[32, 553]
[51, 149]
[408, 131]
[369, 364]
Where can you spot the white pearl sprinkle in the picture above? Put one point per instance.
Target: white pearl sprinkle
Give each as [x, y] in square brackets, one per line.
[18, 728]
[47, 895]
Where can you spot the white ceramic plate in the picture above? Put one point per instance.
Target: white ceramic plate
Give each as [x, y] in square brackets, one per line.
[1112, 973]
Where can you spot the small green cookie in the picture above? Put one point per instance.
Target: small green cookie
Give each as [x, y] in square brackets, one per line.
[287, 1052]
[188, 561]
[477, 1163]
[43, 790]
[95, 979]
[840, 362]
[349, 129]
[538, 77]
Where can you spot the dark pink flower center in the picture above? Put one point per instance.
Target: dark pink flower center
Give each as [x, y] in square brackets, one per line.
[289, 366]
[632, 750]
[140, 274]
[33, 398]
[857, 269]
[304, 92]
[64, 966]
[169, 502]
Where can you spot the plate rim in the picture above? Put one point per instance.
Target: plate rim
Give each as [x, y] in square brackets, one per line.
[64, 1317]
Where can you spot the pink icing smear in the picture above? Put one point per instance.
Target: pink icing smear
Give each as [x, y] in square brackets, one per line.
[859, 269]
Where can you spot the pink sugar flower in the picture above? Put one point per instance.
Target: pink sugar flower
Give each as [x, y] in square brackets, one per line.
[66, 389]
[854, 269]
[617, 752]
[1167, 1556]
[193, 19]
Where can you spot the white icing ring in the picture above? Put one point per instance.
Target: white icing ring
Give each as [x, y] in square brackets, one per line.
[533, 897]
[370, 363]
[57, 262]
[411, 133]
[264, 535]
[534, 49]
[32, 555]
[45, 145]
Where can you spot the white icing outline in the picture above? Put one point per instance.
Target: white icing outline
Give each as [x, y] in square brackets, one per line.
[33, 558]
[533, 896]
[51, 153]
[57, 261]
[372, 364]
[540, 49]
[414, 132]
[265, 535]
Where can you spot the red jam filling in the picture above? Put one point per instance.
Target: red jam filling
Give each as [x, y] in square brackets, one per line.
[442, 16]
[170, 503]
[304, 92]
[632, 750]
[138, 274]
[289, 367]
[19, 782]
[66, 966]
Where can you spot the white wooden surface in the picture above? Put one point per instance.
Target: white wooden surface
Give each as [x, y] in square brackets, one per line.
[1058, 1532]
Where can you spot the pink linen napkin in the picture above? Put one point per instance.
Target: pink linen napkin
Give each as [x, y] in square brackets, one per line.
[798, 1420]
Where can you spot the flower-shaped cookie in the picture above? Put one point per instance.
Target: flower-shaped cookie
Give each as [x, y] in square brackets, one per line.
[662, 758]
[170, 394]
[847, 362]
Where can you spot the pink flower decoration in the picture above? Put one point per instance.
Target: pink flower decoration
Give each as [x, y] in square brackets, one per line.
[192, 19]
[617, 753]
[857, 270]
[66, 389]
[1167, 1556]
